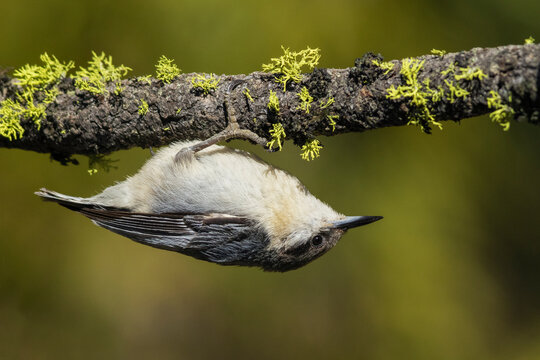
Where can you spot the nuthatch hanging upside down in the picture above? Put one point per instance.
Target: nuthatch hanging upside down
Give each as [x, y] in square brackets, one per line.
[220, 205]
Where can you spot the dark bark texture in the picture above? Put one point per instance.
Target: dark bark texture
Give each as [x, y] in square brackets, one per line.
[79, 122]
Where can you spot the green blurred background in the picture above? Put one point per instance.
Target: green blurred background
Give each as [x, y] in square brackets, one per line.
[452, 272]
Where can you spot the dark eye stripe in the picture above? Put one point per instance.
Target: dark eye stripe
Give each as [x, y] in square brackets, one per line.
[299, 250]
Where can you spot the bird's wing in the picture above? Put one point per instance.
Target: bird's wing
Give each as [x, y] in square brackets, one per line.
[221, 238]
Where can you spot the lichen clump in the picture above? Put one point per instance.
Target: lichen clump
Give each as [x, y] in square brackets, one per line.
[416, 93]
[469, 73]
[311, 150]
[10, 115]
[305, 100]
[204, 83]
[419, 94]
[38, 88]
[143, 108]
[324, 105]
[39, 78]
[247, 93]
[503, 113]
[100, 70]
[166, 71]
[387, 66]
[332, 121]
[288, 67]
[273, 102]
[437, 52]
[278, 134]
[455, 91]
[147, 79]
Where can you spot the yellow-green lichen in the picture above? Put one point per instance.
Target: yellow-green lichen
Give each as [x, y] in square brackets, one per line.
[38, 88]
[420, 93]
[332, 121]
[413, 90]
[305, 100]
[469, 73]
[451, 68]
[166, 71]
[143, 108]
[204, 83]
[118, 88]
[438, 52]
[310, 150]
[145, 79]
[10, 115]
[247, 94]
[424, 118]
[32, 109]
[416, 93]
[100, 70]
[455, 91]
[288, 67]
[38, 78]
[529, 40]
[384, 65]
[178, 111]
[503, 113]
[277, 134]
[324, 105]
[273, 101]
[435, 94]
[50, 95]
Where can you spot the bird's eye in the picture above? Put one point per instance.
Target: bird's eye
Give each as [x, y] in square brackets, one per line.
[317, 240]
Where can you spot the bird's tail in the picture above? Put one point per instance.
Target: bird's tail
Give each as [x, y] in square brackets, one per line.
[70, 202]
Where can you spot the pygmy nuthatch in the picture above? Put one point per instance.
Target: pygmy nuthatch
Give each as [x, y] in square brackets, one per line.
[220, 205]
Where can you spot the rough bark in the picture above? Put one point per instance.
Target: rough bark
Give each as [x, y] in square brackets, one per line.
[79, 122]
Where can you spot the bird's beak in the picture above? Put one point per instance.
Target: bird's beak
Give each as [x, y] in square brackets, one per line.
[353, 221]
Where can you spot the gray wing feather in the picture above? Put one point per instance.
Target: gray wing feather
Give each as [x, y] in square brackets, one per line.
[217, 238]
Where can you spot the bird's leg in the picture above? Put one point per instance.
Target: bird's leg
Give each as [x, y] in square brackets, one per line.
[232, 131]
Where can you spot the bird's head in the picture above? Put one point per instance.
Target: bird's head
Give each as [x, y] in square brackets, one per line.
[306, 243]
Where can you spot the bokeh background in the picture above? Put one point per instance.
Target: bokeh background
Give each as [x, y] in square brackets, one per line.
[452, 272]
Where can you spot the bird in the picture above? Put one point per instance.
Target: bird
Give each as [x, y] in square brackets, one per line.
[217, 204]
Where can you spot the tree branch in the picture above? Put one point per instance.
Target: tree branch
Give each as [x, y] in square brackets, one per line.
[79, 122]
